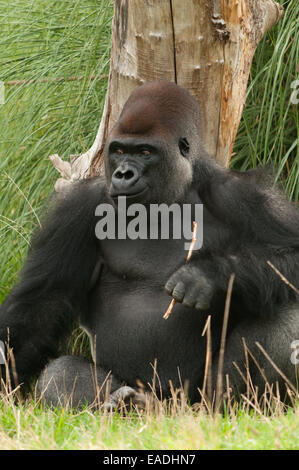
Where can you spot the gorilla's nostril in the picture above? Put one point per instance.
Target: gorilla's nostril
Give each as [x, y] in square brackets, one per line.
[118, 175]
[129, 175]
[124, 177]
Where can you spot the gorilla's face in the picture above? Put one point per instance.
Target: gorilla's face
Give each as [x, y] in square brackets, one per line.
[147, 170]
[148, 154]
[133, 163]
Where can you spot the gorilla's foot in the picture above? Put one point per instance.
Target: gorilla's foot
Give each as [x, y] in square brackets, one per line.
[74, 381]
[126, 396]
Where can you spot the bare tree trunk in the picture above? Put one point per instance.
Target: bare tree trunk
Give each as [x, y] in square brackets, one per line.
[206, 46]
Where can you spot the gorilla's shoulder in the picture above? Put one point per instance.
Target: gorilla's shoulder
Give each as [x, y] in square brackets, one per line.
[87, 190]
[263, 177]
[80, 199]
[91, 186]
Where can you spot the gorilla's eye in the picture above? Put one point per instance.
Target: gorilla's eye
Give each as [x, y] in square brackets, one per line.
[184, 146]
[119, 151]
[145, 152]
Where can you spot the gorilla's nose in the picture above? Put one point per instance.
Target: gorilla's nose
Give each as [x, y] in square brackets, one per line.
[124, 177]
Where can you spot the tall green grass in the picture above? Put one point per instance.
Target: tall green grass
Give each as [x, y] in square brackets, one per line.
[269, 129]
[43, 40]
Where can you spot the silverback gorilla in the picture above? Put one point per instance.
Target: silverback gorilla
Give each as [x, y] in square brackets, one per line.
[119, 289]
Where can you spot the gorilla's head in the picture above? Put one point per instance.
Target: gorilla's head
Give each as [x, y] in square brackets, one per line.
[150, 152]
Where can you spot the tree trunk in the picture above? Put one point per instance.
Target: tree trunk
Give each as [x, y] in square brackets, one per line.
[206, 46]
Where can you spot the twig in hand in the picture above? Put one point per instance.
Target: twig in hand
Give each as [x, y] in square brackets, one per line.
[192, 242]
[169, 310]
[172, 303]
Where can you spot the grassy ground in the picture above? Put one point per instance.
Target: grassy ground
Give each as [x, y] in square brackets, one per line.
[42, 45]
[32, 427]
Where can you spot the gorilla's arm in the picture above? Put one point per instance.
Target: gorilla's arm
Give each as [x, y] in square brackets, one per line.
[262, 225]
[38, 315]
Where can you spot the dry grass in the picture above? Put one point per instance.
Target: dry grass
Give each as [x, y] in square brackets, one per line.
[171, 425]
[257, 421]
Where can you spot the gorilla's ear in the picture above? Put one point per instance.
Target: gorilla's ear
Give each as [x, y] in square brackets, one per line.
[184, 146]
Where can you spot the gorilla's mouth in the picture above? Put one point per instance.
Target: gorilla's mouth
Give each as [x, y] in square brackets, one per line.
[128, 194]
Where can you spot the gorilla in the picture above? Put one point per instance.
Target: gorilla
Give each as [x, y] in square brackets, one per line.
[118, 289]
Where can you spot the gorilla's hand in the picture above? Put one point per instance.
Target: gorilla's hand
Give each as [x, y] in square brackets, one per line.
[189, 286]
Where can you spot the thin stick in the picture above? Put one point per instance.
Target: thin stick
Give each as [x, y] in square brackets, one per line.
[169, 310]
[282, 277]
[207, 381]
[219, 385]
[172, 303]
[277, 368]
[192, 242]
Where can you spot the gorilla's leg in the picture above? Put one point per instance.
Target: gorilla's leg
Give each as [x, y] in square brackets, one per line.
[275, 335]
[75, 381]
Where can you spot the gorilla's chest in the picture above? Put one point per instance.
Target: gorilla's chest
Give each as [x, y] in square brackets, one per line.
[126, 314]
[150, 261]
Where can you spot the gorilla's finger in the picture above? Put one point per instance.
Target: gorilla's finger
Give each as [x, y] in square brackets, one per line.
[191, 296]
[179, 291]
[171, 283]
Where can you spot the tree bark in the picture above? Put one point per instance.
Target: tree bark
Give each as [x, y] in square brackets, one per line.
[206, 46]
